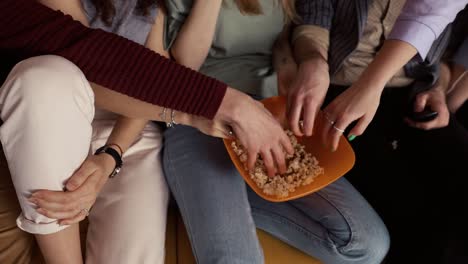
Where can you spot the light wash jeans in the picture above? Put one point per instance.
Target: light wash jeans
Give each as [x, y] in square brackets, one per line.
[221, 212]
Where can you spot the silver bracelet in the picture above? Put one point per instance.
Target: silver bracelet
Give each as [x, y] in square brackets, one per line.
[172, 123]
[163, 114]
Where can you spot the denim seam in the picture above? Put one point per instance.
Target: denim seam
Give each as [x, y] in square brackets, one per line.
[182, 205]
[284, 220]
[348, 222]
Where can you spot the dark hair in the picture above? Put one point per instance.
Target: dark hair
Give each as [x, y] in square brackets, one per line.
[105, 9]
[253, 7]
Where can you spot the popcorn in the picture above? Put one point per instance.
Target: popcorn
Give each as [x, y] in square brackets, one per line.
[302, 169]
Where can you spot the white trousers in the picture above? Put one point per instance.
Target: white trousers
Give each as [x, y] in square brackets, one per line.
[49, 129]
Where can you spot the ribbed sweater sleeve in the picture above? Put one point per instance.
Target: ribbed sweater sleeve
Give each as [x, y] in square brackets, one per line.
[28, 29]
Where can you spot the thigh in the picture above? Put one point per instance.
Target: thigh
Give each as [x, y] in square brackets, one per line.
[335, 224]
[128, 221]
[211, 196]
[47, 126]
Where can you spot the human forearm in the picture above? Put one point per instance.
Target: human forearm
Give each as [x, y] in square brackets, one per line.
[282, 52]
[422, 21]
[194, 39]
[393, 55]
[307, 48]
[27, 29]
[125, 132]
[310, 42]
[133, 108]
[283, 61]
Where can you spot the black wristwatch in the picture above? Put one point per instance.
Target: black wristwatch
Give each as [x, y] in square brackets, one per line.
[115, 155]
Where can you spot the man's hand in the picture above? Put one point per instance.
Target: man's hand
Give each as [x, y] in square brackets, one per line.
[306, 95]
[286, 75]
[435, 100]
[73, 205]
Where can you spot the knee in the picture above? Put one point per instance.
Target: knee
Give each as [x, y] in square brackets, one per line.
[42, 80]
[369, 246]
[378, 246]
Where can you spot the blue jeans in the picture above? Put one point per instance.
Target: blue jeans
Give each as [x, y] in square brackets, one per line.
[221, 213]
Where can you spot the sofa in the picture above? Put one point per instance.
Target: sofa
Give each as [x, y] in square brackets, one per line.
[18, 247]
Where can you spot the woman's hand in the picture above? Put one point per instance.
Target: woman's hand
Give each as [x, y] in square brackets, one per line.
[73, 205]
[257, 130]
[306, 95]
[214, 128]
[357, 103]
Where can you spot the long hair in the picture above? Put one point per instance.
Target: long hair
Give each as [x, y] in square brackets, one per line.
[253, 7]
[105, 9]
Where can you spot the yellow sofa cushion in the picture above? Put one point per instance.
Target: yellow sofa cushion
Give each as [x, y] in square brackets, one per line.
[18, 247]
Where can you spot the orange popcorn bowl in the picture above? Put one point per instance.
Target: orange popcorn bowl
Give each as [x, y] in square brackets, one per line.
[335, 164]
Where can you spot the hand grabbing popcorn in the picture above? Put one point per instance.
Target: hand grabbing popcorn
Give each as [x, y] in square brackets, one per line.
[302, 168]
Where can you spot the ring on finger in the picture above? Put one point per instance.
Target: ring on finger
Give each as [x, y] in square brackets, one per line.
[338, 129]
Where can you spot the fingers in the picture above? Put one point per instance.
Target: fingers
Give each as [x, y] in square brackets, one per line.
[438, 104]
[58, 214]
[336, 131]
[309, 114]
[286, 144]
[56, 207]
[278, 156]
[61, 210]
[80, 176]
[360, 127]
[55, 196]
[251, 158]
[75, 219]
[328, 123]
[294, 116]
[442, 120]
[420, 102]
[333, 130]
[269, 163]
[61, 205]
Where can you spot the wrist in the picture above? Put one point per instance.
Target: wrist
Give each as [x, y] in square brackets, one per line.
[373, 81]
[116, 147]
[113, 154]
[183, 118]
[316, 58]
[231, 106]
[315, 63]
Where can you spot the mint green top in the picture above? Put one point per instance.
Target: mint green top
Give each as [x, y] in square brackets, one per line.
[240, 54]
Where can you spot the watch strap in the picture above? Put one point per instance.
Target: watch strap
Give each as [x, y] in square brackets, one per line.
[115, 155]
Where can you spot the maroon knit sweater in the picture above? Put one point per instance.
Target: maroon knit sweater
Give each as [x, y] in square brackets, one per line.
[28, 29]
